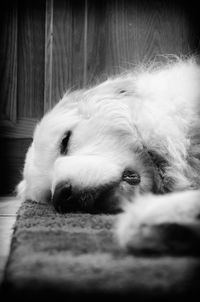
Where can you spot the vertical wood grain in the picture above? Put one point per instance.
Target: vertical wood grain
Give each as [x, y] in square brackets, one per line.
[48, 55]
[97, 47]
[68, 47]
[165, 27]
[123, 33]
[8, 61]
[31, 58]
[85, 48]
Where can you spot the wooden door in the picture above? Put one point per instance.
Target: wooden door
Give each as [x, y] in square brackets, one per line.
[47, 47]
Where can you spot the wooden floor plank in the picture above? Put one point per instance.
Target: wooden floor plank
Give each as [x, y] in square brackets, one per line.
[9, 205]
[8, 209]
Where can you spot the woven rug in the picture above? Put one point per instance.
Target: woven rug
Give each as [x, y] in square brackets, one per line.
[75, 255]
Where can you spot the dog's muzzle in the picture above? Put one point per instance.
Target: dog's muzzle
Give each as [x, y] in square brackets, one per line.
[91, 184]
[93, 200]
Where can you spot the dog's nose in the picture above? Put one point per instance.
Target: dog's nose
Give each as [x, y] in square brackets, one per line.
[67, 198]
[61, 197]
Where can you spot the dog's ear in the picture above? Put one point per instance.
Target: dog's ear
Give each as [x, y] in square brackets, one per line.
[163, 182]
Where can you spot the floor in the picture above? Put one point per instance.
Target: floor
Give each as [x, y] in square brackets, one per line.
[8, 210]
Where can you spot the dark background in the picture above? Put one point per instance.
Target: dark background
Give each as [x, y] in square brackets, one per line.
[49, 46]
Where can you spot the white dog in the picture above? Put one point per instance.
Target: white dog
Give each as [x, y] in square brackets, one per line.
[122, 144]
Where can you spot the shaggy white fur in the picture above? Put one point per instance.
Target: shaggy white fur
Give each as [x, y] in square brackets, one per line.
[118, 141]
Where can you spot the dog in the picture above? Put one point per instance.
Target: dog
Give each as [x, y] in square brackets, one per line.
[131, 146]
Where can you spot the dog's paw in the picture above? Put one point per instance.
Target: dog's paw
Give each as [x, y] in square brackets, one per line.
[167, 224]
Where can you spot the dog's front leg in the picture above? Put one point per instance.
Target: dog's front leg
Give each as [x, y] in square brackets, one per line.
[168, 224]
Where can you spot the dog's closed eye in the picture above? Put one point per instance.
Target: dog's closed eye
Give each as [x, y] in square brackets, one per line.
[122, 91]
[65, 143]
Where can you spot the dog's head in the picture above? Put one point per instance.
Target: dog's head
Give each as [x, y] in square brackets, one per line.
[87, 153]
